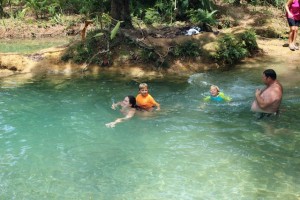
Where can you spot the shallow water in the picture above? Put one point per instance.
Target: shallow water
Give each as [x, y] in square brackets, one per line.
[30, 45]
[55, 145]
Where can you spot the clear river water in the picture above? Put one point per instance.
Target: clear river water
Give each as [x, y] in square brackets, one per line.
[54, 143]
[30, 45]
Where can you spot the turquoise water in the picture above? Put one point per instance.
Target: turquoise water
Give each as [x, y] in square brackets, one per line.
[54, 143]
[30, 45]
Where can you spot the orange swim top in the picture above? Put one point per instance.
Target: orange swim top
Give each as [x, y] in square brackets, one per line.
[145, 102]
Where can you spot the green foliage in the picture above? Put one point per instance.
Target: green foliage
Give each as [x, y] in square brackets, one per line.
[166, 10]
[148, 10]
[37, 6]
[230, 50]
[103, 21]
[2, 3]
[20, 14]
[90, 8]
[206, 5]
[42, 8]
[226, 22]
[232, 1]
[77, 53]
[115, 30]
[187, 49]
[57, 19]
[53, 8]
[186, 5]
[98, 34]
[138, 8]
[45, 8]
[248, 39]
[94, 50]
[276, 3]
[152, 16]
[280, 4]
[149, 55]
[203, 16]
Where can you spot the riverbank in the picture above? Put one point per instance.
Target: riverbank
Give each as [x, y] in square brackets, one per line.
[48, 61]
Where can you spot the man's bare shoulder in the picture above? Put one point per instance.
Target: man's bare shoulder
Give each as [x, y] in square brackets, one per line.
[278, 85]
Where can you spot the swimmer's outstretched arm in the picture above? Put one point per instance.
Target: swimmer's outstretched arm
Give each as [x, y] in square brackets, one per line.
[128, 116]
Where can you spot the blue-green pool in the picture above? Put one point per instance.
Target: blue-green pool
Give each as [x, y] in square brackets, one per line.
[54, 143]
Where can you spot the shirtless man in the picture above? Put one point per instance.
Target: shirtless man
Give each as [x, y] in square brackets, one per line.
[268, 100]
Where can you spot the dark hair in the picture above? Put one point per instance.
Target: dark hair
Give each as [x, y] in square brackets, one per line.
[132, 101]
[270, 73]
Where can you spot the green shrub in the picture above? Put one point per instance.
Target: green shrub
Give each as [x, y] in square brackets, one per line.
[81, 52]
[78, 53]
[149, 56]
[202, 16]
[151, 16]
[248, 39]
[230, 50]
[187, 49]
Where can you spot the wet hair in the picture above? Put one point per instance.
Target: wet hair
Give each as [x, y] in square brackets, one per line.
[214, 86]
[270, 73]
[143, 85]
[132, 101]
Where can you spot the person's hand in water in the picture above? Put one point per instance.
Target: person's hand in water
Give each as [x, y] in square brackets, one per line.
[110, 125]
[202, 106]
[114, 106]
[113, 124]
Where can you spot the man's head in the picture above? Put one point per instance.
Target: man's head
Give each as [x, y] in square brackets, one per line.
[269, 76]
[270, 73]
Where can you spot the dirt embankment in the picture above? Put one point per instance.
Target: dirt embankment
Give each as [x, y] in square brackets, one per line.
[48, 61]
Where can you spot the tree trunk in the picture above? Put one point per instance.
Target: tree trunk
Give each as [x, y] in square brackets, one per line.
[1, 9]
[120, 11]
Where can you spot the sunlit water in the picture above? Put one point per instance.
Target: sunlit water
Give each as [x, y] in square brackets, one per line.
[30, 45]
[54, 143]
